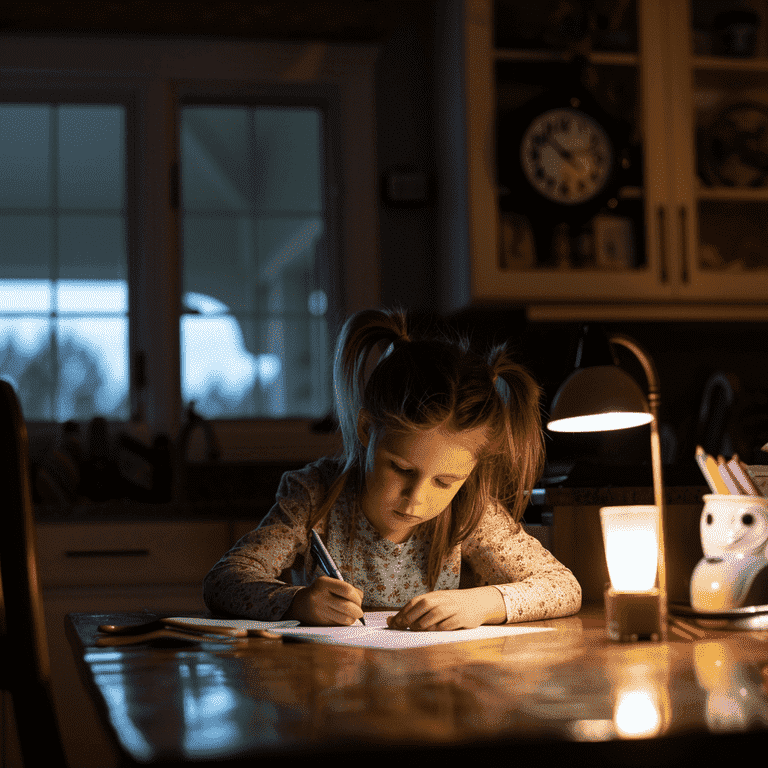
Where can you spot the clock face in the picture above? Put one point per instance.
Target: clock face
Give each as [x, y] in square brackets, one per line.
[566, 156]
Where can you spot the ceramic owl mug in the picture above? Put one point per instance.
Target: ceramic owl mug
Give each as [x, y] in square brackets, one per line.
[734, 570]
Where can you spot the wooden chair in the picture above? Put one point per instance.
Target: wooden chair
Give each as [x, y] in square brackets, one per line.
[24, 660]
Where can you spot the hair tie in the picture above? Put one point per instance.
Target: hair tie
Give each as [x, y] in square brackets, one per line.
[401, 337]
[495, 362]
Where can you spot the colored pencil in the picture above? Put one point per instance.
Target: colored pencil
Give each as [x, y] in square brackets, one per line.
[730, 481]
[739, 471]
[708, 467]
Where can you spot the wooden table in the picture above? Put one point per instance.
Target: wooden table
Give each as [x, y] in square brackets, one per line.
[566, 695]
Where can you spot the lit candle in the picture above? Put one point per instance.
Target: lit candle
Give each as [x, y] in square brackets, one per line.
[631, 542]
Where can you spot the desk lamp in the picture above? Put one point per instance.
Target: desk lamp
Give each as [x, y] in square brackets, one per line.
[599, 396]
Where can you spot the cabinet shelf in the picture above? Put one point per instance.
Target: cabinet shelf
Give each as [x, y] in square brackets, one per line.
[539, 56]
[730, 64]
[631, 193]
[734, 194]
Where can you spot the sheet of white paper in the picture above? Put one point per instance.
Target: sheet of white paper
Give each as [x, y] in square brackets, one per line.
[376, 634]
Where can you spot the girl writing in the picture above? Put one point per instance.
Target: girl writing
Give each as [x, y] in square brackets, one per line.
[420, 512]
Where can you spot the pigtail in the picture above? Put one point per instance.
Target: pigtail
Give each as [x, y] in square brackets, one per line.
[520, 459]
[337, 486]
[359, 337]
[361, 334]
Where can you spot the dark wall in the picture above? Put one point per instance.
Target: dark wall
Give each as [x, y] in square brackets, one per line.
[405, 126]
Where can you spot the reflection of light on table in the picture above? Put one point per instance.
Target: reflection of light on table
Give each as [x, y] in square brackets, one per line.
[735, 697]
[593, 730]
[637, 714]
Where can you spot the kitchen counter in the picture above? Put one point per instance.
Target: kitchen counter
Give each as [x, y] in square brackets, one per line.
[124, 510]
[556, 496]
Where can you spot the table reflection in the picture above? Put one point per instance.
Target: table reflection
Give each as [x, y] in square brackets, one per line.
[736, 692]
[268, 697]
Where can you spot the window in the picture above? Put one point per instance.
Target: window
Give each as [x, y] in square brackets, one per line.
[254, 336]
[63, 265]
[208, 207]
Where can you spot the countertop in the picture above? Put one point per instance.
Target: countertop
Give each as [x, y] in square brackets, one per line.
[556, 496]
[124, 510]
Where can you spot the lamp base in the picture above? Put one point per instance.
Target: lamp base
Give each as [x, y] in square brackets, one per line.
[632, 616]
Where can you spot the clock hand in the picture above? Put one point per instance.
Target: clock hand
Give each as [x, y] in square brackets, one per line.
[566, 154]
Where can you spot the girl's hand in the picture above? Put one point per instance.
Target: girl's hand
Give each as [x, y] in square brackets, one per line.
[451, 609]
[327, 603]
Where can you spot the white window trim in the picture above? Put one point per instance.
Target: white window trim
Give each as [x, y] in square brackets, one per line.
[160, 72]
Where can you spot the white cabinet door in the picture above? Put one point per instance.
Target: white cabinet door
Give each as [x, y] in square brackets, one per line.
[473, 88]
[719, 232]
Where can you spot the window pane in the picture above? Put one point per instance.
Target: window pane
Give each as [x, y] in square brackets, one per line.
[91, 164]
[26, 359]
[93, 363]
[253, 229]
[218, 372]
[92, 296]
[92, 247]
[24, 159]
[63, 290]
[27, 245]
[290, 159]
[20, 297]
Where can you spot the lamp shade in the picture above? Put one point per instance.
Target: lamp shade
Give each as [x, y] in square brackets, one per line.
[596, 399]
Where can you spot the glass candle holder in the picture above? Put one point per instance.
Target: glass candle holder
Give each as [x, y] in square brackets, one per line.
[632, 599]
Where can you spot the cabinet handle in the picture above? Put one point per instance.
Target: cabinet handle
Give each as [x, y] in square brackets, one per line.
[82, 553]
[661, 216]
[683, 244]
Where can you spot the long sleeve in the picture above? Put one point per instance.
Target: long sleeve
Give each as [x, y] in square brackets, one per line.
[533, 583]
[249, 581]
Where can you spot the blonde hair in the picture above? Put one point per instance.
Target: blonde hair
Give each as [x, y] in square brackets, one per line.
[430, 381]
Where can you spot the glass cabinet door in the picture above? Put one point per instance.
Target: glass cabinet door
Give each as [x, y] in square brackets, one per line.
[718, 84]
[621, 250]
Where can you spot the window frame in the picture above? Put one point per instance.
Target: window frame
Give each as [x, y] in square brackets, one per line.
[154, 78]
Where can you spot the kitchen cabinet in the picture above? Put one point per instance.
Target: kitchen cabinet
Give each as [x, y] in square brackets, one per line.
[674, 242]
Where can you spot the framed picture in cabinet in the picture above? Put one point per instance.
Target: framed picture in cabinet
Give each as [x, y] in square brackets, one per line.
[614, 242]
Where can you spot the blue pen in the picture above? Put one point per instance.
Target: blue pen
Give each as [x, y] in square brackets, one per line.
[324, 559]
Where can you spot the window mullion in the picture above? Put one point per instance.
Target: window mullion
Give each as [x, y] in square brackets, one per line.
[156, 300]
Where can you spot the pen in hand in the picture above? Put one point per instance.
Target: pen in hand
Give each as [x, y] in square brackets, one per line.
[324, 559]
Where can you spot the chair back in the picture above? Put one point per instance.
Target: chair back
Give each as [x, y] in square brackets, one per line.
[25, 668]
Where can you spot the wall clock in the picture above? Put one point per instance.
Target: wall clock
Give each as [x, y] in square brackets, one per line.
[560, 157]
[566, 156]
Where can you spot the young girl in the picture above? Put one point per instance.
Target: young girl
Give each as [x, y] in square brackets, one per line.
[420, 512]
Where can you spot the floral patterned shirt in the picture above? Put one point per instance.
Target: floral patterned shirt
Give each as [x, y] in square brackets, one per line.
[260, 575]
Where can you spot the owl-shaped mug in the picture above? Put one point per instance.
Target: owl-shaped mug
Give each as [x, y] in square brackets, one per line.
[734, 538]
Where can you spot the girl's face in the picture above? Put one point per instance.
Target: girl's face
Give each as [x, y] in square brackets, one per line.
[415, 476]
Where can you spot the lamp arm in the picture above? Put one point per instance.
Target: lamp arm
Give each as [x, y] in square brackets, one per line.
[648, 367]
[654, 400]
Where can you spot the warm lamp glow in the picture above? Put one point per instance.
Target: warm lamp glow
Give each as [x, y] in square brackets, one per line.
[637, 714]
[600, 422]
[631, 542]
